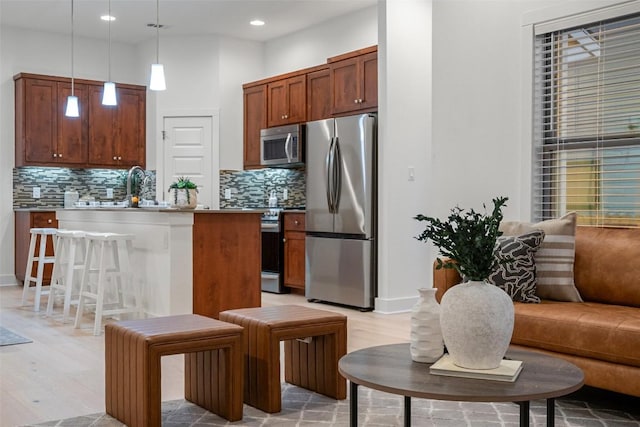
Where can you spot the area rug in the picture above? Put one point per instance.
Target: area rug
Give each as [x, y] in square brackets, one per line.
[302, 408]
[8, 337]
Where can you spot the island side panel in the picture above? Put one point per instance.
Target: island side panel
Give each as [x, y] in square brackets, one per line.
[226, 261]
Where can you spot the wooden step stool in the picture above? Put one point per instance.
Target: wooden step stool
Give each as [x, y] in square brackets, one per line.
[314, 342]
[214, 368]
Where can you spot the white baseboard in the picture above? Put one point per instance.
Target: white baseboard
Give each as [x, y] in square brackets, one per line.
[394, 305]
[8, 280]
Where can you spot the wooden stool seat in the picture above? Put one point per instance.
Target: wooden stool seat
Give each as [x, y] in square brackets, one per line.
[314, 342]
[214, 368]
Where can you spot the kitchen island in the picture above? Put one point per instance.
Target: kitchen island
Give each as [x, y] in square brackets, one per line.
[187, 261]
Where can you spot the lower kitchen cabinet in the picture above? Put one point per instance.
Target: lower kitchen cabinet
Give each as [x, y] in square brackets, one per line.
[294, 250]
[24, 221]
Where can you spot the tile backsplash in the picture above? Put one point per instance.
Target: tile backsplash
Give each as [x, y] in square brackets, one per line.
[53, 182]
[248, 189]
[251, 188]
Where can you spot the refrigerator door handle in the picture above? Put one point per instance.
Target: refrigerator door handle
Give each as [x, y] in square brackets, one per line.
[287, 147]
[328, 170]
[337, 175]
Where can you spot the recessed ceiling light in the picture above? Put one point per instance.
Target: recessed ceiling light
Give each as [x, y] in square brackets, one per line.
[257, 22]
[108, 18]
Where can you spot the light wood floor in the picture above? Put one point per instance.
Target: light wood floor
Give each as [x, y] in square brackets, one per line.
[61, 373]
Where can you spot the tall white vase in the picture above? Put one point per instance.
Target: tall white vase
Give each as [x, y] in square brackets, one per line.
[477, 324]
[426, 337]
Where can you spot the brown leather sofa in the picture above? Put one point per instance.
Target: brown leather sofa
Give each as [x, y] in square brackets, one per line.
[600, 335]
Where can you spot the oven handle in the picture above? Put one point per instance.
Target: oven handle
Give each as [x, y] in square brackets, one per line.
[270, 228]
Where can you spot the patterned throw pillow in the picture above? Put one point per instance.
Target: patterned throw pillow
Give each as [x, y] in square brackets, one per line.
[555, 259]
[517, 276]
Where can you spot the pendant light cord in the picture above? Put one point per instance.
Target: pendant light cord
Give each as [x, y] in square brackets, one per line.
[110, 18]
[157, 31]
[72, 74]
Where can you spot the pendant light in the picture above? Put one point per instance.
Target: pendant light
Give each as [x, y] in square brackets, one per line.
[157, 70]
[109, 92]
[72, 100]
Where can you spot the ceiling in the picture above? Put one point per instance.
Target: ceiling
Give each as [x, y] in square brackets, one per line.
[180, 17]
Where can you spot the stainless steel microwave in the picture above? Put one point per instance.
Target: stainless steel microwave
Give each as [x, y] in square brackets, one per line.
[282, 146]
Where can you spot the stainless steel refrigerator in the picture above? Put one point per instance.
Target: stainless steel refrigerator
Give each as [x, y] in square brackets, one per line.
[341, 210]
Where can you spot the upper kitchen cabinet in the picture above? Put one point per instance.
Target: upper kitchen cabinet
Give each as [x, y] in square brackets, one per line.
[255, 119]
[286, 101]
[102, 136]
[318, 94]
[44, 135]
[117, 133]
[354, 81]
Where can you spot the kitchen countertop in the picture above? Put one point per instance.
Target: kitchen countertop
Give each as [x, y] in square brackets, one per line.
[145, 209]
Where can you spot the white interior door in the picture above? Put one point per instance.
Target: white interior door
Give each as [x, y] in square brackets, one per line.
[189, 151]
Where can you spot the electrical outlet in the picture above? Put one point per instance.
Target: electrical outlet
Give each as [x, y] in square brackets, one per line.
[285, 194]
[227, 193]
[36, 192]
[109, 193]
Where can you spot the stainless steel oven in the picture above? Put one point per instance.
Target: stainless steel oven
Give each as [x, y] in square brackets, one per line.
[272, 253]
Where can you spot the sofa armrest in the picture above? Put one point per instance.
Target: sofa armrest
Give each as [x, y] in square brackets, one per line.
[444, 279]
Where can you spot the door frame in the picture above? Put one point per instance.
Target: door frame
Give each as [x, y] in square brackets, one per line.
[214, 115]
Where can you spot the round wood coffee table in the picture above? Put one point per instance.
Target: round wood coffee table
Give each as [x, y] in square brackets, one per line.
[389, 368]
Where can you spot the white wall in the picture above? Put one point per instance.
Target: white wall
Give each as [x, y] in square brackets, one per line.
[312, 46]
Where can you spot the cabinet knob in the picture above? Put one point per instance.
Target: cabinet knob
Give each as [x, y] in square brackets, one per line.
[119, 157]
[284, 240]
[296, 222]
[60, 155]
[49, 221]
[355, 101]
[286, 116]
[55, 155]
[115, 158]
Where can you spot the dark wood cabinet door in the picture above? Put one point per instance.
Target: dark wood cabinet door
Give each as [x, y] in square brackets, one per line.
[130, 127]
[318, 95]
[296, 100]
[369, 80]
[294, 250]
[277, 103]
[255, 119]
[72, 131]
[102, 130]
[345, 85]
[40, 113]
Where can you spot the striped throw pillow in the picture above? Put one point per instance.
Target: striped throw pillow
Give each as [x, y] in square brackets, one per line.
[554, 258]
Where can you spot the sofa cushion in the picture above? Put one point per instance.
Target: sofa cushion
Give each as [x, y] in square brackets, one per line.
[555, 258]
[601, 331]
[607, 267]
[517, 277]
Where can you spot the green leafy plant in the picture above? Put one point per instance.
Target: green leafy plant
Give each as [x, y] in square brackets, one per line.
[467, 239]
[183, 183]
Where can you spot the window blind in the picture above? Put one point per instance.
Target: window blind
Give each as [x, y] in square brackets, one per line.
[586, 152]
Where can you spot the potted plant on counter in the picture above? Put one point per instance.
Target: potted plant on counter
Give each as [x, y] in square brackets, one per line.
[184, 193]
[476, 316]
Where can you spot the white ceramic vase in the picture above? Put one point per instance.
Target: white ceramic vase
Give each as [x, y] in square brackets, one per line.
[180, 200]
[477, 323]
[426, 337]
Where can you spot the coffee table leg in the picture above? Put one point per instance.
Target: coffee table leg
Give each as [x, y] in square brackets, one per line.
[524, 413]
[353, 405]
[407, 411]
[551, 412]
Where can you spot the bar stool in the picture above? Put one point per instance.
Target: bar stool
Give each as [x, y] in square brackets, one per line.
[120, 280]
[43, 235]
[65, 266]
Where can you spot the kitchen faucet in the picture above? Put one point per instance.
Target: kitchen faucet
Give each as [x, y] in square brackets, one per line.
[133, 170]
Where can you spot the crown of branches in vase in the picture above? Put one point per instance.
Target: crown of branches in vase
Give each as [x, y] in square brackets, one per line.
[467, 239]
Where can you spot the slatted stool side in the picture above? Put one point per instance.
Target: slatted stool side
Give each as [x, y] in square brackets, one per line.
[314, 342]
[214, 369]
[70, 251]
